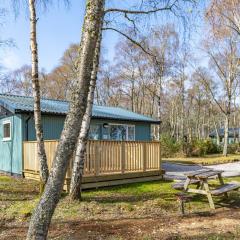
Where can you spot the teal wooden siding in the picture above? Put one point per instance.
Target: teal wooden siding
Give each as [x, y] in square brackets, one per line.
[143, 132]
[11, 150]
[53, 125]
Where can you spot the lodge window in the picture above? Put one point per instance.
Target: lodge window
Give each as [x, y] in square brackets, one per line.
[6, 130]
[120, 132]
[94, 132]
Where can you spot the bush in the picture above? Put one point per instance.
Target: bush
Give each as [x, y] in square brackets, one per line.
[233, 148]
[170, 147]
[203, 147]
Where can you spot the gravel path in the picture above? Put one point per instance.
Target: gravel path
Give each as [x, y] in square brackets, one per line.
[177, 170]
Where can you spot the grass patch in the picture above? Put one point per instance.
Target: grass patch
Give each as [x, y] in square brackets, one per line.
[135, 202]
[18, 197]
[206, 160]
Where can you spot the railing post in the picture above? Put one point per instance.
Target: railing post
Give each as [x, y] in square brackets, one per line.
[144, 156]
[97, 160]
[123, 156]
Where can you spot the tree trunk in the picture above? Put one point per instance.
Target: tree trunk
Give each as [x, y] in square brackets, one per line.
[159, 110]
[78, 166]
[159, 117]
[234, 120]
[226, 126]
[217, 133]
[42, 215]
[36, 95]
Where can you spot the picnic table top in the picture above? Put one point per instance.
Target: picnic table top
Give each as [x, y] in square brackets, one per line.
[200, 177]
[203, 173]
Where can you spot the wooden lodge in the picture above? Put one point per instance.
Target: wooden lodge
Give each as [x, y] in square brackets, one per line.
[119, 149]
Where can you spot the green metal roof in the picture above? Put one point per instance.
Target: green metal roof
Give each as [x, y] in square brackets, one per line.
[17, 104]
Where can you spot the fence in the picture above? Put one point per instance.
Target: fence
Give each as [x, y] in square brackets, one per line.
[103, 157]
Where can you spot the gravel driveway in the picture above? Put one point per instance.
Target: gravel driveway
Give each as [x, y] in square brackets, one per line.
[177, 170]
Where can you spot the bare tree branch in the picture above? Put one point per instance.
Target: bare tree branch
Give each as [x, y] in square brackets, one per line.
[126, 11]
[130, 39]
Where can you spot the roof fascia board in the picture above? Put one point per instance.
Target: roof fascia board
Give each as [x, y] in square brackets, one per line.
[7, 106]
[93, 117]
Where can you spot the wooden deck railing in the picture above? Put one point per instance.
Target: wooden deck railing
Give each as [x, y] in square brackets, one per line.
[103, 157]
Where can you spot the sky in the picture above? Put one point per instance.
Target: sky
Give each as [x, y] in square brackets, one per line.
[57, 28]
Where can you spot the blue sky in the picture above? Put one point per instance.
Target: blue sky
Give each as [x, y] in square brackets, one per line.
[58, 27]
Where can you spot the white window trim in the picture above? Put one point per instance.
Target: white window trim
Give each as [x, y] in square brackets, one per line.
[124, 124]
[8, 138]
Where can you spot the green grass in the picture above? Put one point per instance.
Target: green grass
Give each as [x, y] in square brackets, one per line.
[206, 160]
[18, 197]
[153, 200]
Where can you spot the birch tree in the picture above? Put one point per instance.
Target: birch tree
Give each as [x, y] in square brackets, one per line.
[32, 7]
[78, 164]
[44, 210]
[36, 95]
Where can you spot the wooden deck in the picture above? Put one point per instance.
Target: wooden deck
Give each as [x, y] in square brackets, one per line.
[107, 162]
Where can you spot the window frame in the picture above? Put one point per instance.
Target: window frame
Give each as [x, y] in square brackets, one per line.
[99, 131]
[10, 129]
[125, 124]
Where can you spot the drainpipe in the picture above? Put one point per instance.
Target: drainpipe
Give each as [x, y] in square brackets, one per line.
[26, 126]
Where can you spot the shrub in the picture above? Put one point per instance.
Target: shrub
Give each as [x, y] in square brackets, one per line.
[170, 147]
[212, 147]
[203, 147]
[233, 148]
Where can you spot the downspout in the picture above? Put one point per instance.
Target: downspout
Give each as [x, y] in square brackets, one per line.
[26, 127]
[26, 139]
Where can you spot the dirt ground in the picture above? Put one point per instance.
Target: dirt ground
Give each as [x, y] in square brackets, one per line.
[222, 224]
[140, 211]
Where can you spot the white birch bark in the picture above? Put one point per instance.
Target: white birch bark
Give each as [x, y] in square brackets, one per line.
[36, 94]
[226, 127]
[78, 165]
[42, 214]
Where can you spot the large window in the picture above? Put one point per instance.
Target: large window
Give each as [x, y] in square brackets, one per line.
[94, 132]
[7, 130]
[120, 132]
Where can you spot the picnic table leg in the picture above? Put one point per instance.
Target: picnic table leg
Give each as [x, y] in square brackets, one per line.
[200, 185]
[209, 195]
[186, 184]
[222, 183]
[182, 207]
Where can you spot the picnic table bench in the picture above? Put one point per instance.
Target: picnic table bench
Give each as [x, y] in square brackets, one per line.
[200, 179]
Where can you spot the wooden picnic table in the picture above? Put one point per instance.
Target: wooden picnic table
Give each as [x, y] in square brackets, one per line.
[200, 178]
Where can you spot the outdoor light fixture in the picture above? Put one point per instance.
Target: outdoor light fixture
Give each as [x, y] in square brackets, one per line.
[105, 125]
